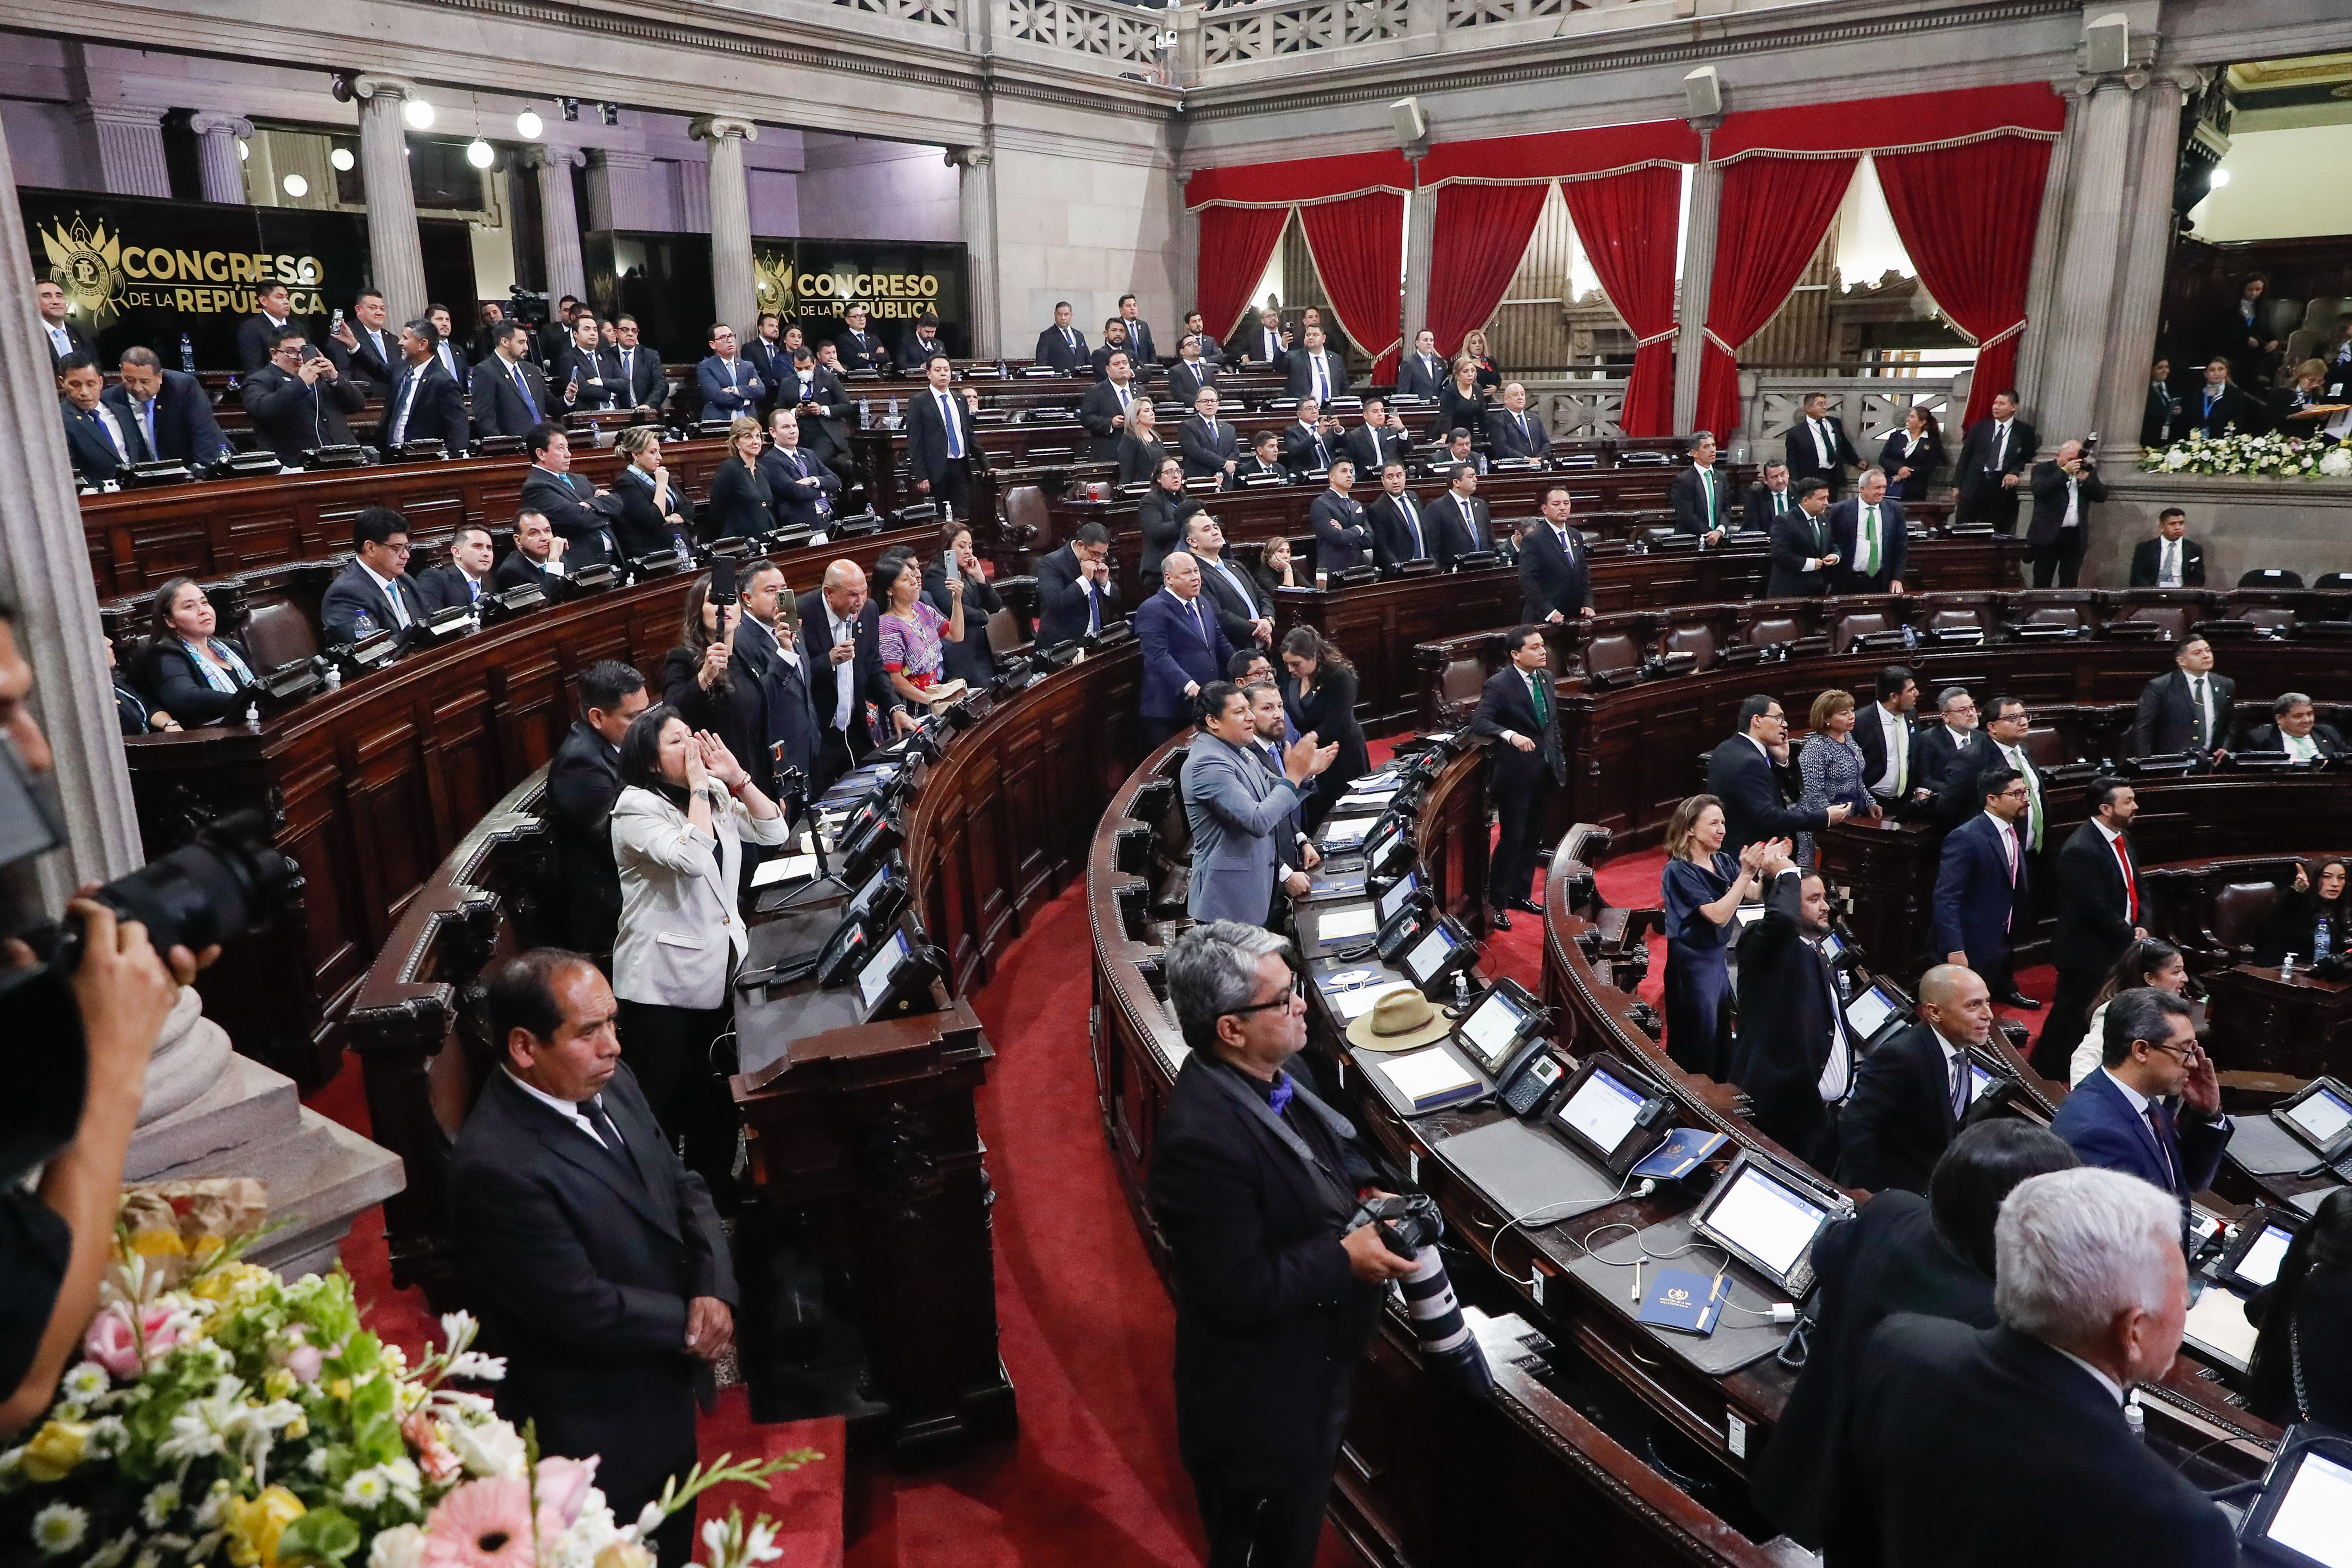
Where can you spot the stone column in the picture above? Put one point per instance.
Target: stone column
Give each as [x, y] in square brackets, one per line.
[1420, 253]
[977, 189]
[2041, 278]
[125, 146]
[618, 193]
[559, 219]
[2146, 236]
[218, 134]
[394, 251]
[2076, 339]
[1698, 282]
[733, 284]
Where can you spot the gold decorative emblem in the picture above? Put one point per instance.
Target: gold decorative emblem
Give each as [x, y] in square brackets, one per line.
[88, 265]
[772, 270]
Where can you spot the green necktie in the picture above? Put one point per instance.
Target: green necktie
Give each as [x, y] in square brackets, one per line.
[1869, 567]
[1543, 702]
[1821, 540]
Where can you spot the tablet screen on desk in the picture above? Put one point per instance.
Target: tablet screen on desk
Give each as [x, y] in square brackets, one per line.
[1602, 1111]
[1868, 1013]
[1429, 955]
[874, 978]
[1399, 894]
[1979, 1080]
[2320, 1117]
[1770, 1221]
[2260, 1266]
[874, 884]
[2315, 1517]
[1492, 1029]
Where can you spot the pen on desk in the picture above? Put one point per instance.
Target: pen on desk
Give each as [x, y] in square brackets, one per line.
[1637, 1278]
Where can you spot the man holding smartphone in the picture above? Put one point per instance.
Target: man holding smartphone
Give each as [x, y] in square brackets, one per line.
[299, 401]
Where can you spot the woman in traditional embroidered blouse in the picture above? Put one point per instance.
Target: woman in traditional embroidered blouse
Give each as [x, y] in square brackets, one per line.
[913, 646]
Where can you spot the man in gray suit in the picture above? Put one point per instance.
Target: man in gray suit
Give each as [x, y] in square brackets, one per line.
[1239, 809]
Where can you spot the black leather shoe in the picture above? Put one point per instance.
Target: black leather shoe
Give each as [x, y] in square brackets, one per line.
[2019, 999]
[1528, 905]
[1498, 920]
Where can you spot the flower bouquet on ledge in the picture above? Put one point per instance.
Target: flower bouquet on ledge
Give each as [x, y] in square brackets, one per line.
[223, 1415]
[2273, 455]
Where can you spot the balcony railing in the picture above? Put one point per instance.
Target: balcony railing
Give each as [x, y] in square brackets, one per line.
[1870, 407]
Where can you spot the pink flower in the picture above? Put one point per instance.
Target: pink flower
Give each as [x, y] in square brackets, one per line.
[482, 1524]
[304, 1361]
[433, 1456]
[113, 1346]
[563, 1487]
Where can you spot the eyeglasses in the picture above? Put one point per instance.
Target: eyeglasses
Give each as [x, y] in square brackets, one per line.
[1296, 993]
[2185, 1052]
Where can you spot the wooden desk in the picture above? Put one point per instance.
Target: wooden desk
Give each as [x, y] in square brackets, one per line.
[2261, 1021]
[1377, 625]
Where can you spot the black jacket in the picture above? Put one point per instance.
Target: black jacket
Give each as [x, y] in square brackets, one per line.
[1687, 494]
[1899, 1118]
[741, 504]
[1373, 450]
[2048, 483]
[638, 381]
[1506, 438]
[1097, 409]
[1062, 601]
[252, 340]
[444, 585]
[1760, 507]
[1951, 771]
[353, 591]
[92, 451]
[973, 658]
[1064, 355]
[1922, 464]
[586, 368]
[1416, 377]
[639, 529]
[1887, 1258]
[1302, 373]
[581, 1268]
[1305, 450]
[1343, 537]
[1871, 736]
[1970, 1446]
[1393, 519]
[927, 436]
[1795, 542]
[583, 779]
[1845, 519]
[1456, 536]
[1754, 808]
[868, 684]
[2325, 1308]
[1455, 411]
[2092, 930]
[1161, 519]
[1805, 457]
[1975, 473]
[1504, 703]
[185, 425]
[516, 570]
[293, 418]
[498, 405]
[2147, 561]
[824, 413]
[1187, 377]
[1550, 577]
[437, 412]
[2159, 422]
[1330, 711]
[1787, 1020]
[2166, 723]
[861, 352]
[588, 534]
[800, 486]
[2265, 737]
[1207, 448]
[2232, 408]
[1269, 1318]
[182, 691]
[1138, 460]
[1237, 605]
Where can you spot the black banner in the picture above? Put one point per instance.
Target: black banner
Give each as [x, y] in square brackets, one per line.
[138, 270]
[814, 281]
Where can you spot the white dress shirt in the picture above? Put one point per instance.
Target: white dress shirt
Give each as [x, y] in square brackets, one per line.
[1896, 773]
[1837, 1072]
[844, 674]
[570, 1110]
[385, 586]
[2168, 563]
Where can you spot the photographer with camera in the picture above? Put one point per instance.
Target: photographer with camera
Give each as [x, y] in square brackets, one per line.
[74, 1108]
[2063, 489]
[1257, 1185]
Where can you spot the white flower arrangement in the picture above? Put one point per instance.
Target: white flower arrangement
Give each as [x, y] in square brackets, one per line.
[2275, 455]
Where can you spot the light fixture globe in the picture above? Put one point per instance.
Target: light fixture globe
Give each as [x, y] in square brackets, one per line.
[528, 125]
[419, 113]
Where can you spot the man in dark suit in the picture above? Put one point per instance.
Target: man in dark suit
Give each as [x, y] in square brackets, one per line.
[1458, 449]
[1184, 648]
[633, 370]
[2159, 422]
[1890, 743]
[583, 779]
[65, 338]
[941, 446]
[1518, 710]
[512, 396]
[859, 349]
[779, 710]
[1400, 530]
[1991, 465]
[565, 498]
[2295, 731]
[1104, 410]
[592, 1255]
[1817, 444]
[1422, 372]
[1241, 606]
[1138, 336]
[1868, 535]
[814, 396]
[2099, 916]
[2010, 1445]
[2220, 405]
[770, 359]
[1211, 351]
[2188, 708]
[364, 347]
[1343, 535]
[1114, 342]
[170, 409]
[100, 441]
[373, 590]
[464, 577]
[1744, 773]
[1803, 555]
[1984, 883]
[1555, 570]
[1702, 506]
[803, 488]
[423, 404]
[1264, 345]
[1512, 430]
[579, 372]
[2171, 560]
[730, 386]
[556, 335]
[537, 559]
[1911, 1092]
[1252, 1182]
[1062, 345]
[1191, 373]
[921, 342]
[1310, 441]
[1264, 460]
[1210, 446]
[841, 641]
[2120, 1117]
[255, 335]
[1793, 1058]
[1768, 499]
[1463, 524]
[1950, 754]
[1381, 440]
[1900, 1253]
[1076, 597]
[297, 401]
[1315, 372]
[2064, 489]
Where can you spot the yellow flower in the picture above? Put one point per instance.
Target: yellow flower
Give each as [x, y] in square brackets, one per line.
[340, 1388]
[158, 1244]
[298, 1427]
[230, 1281]
[255, 1525]
[621, 1554]
[278, 1384]
[55, 1449]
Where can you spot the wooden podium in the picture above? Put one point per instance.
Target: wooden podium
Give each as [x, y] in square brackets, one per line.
[2266, 1023]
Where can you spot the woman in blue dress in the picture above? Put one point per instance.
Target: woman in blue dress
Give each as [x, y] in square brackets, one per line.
[1703, 887]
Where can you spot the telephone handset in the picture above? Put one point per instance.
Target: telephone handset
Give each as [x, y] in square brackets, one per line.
[845, 954]
[1399, 933]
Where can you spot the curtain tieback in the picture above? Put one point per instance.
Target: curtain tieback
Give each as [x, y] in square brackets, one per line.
[1709, 333]
[1657, 338]
[2011, 331]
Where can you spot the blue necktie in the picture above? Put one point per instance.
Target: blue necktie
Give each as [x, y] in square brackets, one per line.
[523, 387]
[1279, 1101]
[147, 419]
[955, 438]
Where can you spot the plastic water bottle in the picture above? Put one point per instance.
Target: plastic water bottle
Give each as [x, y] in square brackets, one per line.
[2319, 940]
[865, 414]
[334, 679]
[1461, 994]
[188, 353]
[2286, 968]
[685, 556]
[253, 717]
[1910, 637]
[363, 626]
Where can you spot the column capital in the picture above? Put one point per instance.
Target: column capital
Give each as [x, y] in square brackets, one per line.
[373, 85]
[537, 157]
[969, 157]
[618, 157]
[207, 122]
[718, 126]
[118, 113]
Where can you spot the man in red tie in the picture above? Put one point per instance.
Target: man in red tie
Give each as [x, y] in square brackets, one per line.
[2099, 915]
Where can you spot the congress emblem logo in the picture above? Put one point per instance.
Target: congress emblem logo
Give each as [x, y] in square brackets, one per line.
[88, 265]
[1677, 1296]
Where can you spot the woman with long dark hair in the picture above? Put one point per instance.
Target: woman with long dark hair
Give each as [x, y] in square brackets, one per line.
[2302, 1369]
[1703, 888]
[1912, 455]
[196, 676]
[969, 658]
[1318, 693]
[684, 809]
[2313, 919]
[2152, 962]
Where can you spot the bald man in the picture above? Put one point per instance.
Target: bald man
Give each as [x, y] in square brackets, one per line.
[841, 638]
[1912, 1093]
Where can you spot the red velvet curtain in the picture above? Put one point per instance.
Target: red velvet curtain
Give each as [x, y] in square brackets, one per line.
[1967, 215]
[1627, 222]
[1481, 234]
[1236, 244]
[1774, 214]
[1358, 249]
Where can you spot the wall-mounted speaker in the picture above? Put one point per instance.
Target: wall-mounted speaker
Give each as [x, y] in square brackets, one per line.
[1702, 94]
[2106, 43]
[1412, 125]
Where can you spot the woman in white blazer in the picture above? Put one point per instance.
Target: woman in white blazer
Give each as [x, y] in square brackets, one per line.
[685, 808]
